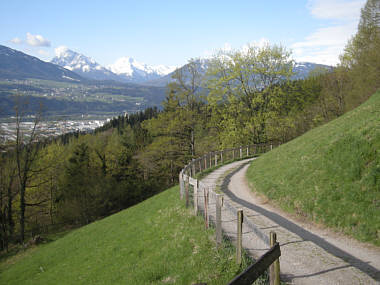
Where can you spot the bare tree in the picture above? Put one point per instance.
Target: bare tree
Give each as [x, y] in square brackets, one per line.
[185, 87]
[26, 149]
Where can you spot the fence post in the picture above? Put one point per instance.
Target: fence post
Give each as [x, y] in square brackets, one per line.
[187, 186]
[180, 185]
[241, 152]
[274, 269]
[218, 222]
[247, 150]
[193, 167]
[205, 193]
[239, 236]
[196, 197]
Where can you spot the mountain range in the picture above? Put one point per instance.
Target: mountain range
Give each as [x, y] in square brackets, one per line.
[128, 70]
[125, 69]
[69, 65]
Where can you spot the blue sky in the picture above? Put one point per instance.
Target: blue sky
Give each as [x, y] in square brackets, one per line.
[171, 32]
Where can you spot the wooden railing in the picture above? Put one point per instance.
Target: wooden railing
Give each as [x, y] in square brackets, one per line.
[213, 206]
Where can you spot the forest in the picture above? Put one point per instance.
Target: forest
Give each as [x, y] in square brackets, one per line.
[246, 97]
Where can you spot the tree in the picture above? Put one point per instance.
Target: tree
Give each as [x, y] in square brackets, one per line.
[8, 191]
[240, 97]
[361, 58]
[27, 149]
[77, 193]
[184, 92]
[176, 130]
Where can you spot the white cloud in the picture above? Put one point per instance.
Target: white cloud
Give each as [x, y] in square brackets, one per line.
[330, 36]
[327, 55]
[37, 40]
[324, 45]
[336, 9]
[16, 40]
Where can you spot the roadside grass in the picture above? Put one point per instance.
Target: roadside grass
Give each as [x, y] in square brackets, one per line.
[157, 241]
[330, 175]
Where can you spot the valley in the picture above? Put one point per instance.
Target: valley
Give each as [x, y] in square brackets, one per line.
[76, 98]
[49, 128]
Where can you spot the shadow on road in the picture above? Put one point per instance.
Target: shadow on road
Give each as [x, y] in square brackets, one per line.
[302, 233]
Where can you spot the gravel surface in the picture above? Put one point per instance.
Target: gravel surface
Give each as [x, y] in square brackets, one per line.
[310, 254]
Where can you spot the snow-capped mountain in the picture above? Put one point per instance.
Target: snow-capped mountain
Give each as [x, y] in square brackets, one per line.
[125, 69]
[302, 69]
[82, 65]
[135, 71]
[201, 65]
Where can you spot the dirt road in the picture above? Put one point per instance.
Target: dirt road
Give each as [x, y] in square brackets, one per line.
[310, 254]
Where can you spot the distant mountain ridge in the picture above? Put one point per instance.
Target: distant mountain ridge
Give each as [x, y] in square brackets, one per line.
[83, 65]
[72, 66]
[125, 69]
[134, 71]
[18, 65]
[301, 70]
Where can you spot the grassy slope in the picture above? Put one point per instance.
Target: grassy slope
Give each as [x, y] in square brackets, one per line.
[331, 174]
[156, 241]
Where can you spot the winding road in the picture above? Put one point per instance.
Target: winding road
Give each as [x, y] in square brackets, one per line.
[309, 254]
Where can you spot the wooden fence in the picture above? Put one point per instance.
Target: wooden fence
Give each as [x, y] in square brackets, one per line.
[214, 205]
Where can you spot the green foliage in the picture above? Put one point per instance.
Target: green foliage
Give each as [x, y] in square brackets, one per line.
[331, 174]
[251, 99]
[177, 130]
[240, 96]
[361, 58]
[77, 178]
[158, 241]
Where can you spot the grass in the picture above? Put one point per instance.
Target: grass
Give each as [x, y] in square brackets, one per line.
[330, 175]
[157, 241]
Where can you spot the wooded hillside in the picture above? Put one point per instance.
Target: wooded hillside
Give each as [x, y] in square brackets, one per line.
[246, 97]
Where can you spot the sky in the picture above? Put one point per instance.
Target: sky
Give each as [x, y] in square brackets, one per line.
[171, 32]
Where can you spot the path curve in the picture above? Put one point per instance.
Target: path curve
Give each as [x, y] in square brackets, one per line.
[310, 255]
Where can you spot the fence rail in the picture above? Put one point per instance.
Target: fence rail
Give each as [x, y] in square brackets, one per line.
[215, 207]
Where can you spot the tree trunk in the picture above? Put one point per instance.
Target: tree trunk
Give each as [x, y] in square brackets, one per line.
[22, 214]
[192, 143]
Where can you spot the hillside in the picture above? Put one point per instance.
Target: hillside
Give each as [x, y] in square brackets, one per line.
[156, 241]
[330, 175]
[18, 65]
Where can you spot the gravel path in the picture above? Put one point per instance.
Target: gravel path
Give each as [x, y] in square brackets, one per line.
[310, 254]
